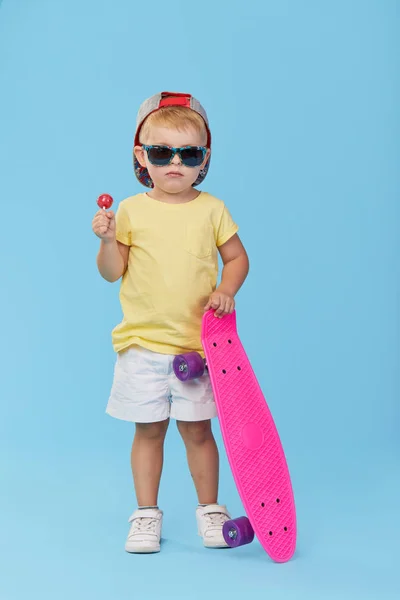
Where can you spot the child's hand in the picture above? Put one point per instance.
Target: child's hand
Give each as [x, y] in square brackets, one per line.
[222, 303]
[104, 225]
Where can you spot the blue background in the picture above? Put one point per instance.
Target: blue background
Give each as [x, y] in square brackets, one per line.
[303, 101]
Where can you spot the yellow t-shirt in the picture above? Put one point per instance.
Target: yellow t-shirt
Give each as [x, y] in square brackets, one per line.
[172, 270]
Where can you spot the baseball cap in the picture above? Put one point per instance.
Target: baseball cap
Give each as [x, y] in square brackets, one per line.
[152, 105]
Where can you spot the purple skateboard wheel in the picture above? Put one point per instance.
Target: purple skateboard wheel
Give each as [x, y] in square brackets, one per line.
[238, 532]
[188, 366]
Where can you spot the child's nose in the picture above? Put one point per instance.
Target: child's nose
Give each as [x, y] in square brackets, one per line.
[176, 160]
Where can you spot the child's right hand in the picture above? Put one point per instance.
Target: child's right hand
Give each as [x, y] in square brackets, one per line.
[103, 225]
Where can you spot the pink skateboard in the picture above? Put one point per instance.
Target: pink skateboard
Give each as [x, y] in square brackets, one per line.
[251, 440]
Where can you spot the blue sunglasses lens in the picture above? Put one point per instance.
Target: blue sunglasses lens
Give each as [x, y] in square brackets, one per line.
[192, 157]
[159, 155]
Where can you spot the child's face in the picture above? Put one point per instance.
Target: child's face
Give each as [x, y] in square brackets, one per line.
[175, 177]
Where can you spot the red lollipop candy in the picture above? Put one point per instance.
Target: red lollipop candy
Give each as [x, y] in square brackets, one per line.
[105, 201]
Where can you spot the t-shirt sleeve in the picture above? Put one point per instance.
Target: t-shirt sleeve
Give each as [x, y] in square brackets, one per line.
[226, 227]
[123, 226]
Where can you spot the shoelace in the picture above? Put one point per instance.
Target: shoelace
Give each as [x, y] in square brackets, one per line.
[215, 520]
[144, 525]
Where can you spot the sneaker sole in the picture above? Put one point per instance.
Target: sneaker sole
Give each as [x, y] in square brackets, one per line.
[142, 550]
[215, 546]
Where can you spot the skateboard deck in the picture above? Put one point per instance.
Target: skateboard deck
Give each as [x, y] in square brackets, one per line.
[252, 443]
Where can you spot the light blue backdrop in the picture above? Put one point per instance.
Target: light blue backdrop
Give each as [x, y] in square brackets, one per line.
[303, 100]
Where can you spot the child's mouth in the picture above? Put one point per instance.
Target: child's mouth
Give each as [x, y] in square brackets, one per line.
[174, 174]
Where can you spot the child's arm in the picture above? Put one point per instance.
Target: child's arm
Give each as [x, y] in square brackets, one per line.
[235, 271]
[112, 259]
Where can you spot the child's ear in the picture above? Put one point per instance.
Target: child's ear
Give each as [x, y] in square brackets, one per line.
[139, 153]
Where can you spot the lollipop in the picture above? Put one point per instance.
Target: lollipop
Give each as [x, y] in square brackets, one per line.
[105, 201]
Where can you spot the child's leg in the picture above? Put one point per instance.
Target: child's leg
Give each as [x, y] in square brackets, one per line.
[147, 459]
[193, 406]
[203, 458]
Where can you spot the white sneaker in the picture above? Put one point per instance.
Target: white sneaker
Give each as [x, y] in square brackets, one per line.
[145, 533]
[210, 520]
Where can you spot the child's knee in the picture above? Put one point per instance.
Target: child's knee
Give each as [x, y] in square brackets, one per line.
[152, 431]
[195, 432]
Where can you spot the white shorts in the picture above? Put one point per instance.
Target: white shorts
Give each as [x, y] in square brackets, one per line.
[146, 390]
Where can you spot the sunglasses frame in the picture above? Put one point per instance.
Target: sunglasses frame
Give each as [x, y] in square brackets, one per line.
[174, 152]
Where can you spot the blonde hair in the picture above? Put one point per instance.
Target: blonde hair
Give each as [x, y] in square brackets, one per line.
[175, 117]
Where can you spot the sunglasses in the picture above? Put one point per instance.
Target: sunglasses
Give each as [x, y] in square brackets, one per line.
[161, 156]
